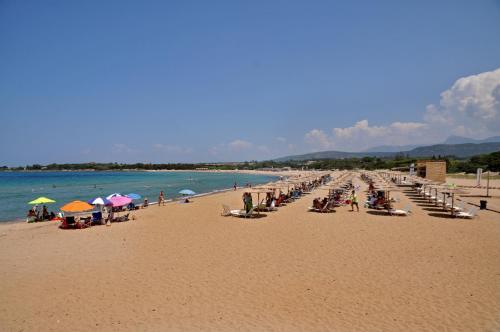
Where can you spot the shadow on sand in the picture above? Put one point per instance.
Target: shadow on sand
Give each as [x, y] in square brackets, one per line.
[442, 215]
[378, 213]
[433, 209]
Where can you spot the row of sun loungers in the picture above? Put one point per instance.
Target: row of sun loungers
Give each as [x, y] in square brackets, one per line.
[435, 196]
[280, 201]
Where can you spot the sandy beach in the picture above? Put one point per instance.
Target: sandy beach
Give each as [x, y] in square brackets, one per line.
[475, 193]
[186, 267]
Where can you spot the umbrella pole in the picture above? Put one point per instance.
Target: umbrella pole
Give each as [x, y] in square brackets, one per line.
[258, 204]
[452, 202]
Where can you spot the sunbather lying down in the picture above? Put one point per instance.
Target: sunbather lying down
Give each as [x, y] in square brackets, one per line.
[121, 218]
[324, 205]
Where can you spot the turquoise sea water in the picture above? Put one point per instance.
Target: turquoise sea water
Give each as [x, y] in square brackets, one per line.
[18, 188]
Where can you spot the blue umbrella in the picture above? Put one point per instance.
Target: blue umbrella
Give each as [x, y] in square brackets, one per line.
[187, 192]
[133, 196]
[99, 201]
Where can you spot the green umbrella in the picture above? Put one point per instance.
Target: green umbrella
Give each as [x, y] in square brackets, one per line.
[42, 200]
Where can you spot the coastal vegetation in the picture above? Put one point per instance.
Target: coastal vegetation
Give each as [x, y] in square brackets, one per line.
[489, 161]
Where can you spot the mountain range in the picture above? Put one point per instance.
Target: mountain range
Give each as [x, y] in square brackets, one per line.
[448, 148]
[449, 140]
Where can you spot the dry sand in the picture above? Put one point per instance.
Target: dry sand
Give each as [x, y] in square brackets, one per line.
[185, 267]
[475, 194]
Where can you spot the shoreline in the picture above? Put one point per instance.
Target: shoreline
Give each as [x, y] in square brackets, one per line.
[213, 192]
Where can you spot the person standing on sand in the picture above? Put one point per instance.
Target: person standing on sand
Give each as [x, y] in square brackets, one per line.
[247, 201]
[354, 200]
[161, 199]
[235, 186]
[244, 198]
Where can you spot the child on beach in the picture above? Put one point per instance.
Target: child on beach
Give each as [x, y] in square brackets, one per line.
[354, 200]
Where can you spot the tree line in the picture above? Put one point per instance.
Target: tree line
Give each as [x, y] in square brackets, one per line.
[454, 165]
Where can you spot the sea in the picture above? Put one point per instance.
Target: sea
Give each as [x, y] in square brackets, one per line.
[19, 188]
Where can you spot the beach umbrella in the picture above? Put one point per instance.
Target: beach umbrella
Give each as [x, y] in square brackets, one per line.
[118, 201]
[77, 206]
[113, 195]
[41, 200]
[99, 201]
[133, 196]
[259, 191]
[187, 192]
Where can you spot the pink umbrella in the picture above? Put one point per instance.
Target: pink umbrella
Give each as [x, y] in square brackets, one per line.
[118, 201]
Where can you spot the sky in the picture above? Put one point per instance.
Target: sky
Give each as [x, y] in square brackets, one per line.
[208, 81]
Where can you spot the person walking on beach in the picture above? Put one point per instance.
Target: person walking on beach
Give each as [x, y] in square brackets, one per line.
[354, 200]
[161, 199]
[235, 186]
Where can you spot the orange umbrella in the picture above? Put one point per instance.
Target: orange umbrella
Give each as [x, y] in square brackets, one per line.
[77, 206]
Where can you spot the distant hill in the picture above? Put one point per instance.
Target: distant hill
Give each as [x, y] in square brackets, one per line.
[392, 148]
[464, 140]
[458, 150]
[335, 155]
[449, 140]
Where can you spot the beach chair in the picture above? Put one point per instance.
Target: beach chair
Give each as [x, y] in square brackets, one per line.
[458, 207]
[467, 215]
[122, 218]
[329, 207]
[97, 218]
[243, 213]
[405, 212]
[226, 211]
[68, 222]
[84, 222]
[272, 207]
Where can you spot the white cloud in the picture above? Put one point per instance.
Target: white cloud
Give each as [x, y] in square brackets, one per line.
[407, 127]
[319, 139]
[264, 149]
[361, 127]
[239, 150]
[238, 145]
[361, 135]
[281, 139]
[470, 106]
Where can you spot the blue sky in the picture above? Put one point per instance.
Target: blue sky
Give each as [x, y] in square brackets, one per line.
[173, 81]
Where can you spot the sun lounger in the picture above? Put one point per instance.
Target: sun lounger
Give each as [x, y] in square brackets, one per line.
[121, 218]
[97, 218]
[468, 215]
[84, 222]
[243, 213]
[405, 212]
[71, 222]
[328, 208]
[226, 211]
